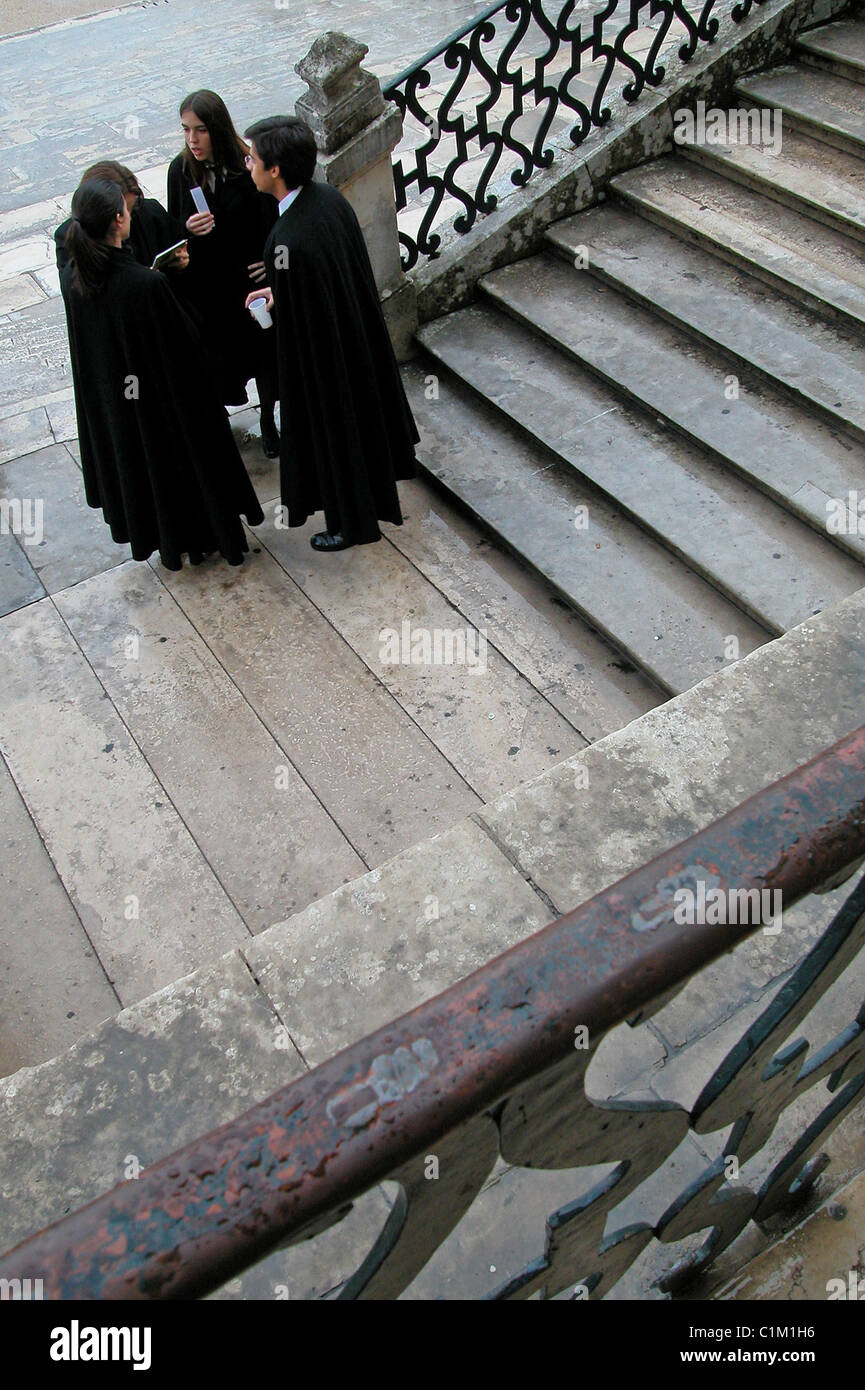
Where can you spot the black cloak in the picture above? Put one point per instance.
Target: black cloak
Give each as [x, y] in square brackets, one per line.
[217, 279]
[347, 430]
[157, 452]
[152, 230]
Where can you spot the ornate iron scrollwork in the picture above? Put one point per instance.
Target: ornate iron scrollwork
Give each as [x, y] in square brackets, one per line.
[464, 151]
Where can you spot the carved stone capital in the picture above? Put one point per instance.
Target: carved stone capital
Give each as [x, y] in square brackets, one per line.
[342, 98]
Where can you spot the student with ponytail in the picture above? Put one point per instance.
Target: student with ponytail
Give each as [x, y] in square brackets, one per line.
[158, 458]
[153, 229]
[226, 251]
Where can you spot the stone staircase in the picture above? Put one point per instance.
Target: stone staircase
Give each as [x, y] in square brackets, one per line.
[685, 363]
[655, 410]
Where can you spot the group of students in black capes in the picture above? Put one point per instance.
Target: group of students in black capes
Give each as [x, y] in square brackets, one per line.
[157, 354]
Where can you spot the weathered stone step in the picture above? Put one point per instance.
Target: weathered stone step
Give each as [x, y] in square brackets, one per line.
[826, 107]
[796, 459]
[766, 562]
[818, 268]
[837, 48]
[580, 674]
[816, 362]
[807, 176]
[667, 619]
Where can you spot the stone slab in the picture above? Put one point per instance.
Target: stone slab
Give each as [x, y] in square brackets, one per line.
[820, 365]
[688, 762]
[184, 1061]
[119, 845]
[393, 939]
[52, 987]
[387, 785]
[805, 175]
[34, 354]
[819, 268]
[837, 47]
[761, 434]
[19, 582]
[818, 103]
[24, 434]
[666, 619]
[579, 674]
[29, 253]
[19, 292]
[76, 542]
[767, 562]
[273, 845]
[63, 422]
[487, 719]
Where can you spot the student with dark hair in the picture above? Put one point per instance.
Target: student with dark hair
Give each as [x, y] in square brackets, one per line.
[153, 229]
[226, 250]
[159, 461]
[348, 433]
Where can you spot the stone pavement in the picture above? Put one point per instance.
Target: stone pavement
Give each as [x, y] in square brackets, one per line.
[189, 758]
[109, 87]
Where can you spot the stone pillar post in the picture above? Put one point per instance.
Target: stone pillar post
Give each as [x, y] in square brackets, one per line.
[356, 131]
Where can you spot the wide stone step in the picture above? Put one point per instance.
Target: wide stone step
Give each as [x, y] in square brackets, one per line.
[667, 619]
[837, 48]
[826, 107]
[769, 564]
[818, 268]
[796, 459]
[820, 365]
[805, 175]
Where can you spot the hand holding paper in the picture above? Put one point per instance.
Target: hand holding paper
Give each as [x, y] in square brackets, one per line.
[200, 223]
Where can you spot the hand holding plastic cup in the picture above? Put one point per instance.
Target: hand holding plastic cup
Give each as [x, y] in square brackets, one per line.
[258, 309]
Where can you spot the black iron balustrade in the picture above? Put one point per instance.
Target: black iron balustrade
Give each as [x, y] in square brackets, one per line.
[488, 49]
[489, 1068]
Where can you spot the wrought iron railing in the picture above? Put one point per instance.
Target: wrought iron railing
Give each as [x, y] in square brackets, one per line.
[495, 1068]
[487, 99]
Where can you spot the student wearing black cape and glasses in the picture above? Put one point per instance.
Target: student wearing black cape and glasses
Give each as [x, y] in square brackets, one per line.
[226, 246]
[157, 453]
[348, 434]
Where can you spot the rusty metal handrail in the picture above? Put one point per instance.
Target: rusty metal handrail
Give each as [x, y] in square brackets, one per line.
[209, 1211]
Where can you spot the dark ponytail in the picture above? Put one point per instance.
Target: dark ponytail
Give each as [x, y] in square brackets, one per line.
[95, 205]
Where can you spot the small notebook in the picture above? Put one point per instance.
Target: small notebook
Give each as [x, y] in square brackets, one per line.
[165, 256]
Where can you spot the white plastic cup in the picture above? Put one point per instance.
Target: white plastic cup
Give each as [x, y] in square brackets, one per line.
[258, 309]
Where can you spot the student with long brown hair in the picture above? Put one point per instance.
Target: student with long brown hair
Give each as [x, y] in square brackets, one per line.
[226, 249]
[161, 463]
[153, 229]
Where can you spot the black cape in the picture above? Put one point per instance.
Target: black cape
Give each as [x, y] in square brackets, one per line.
[347, 430]
[152, 230]
[157, 452]
[217, 280]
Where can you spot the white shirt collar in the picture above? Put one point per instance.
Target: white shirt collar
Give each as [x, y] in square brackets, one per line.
[286, 202]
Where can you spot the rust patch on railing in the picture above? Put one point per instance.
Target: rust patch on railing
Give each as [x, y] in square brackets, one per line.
[196, 1219]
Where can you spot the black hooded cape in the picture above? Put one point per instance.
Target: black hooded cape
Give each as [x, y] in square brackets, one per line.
[217, 279]
[157, 452]
[347, 430]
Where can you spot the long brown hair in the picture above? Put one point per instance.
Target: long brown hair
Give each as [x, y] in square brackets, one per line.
[116, 173]
[228, 150]
[95, 205]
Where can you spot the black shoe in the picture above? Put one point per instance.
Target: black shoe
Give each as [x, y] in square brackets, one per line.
[270, 440]
[325, 540]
